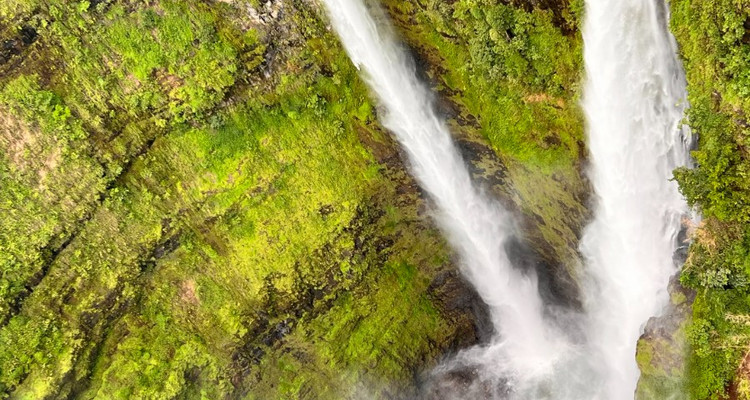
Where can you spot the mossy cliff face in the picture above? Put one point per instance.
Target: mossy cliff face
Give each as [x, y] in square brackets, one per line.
[198, 201]
[508, 76]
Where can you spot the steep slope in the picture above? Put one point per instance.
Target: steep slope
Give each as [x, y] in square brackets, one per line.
[198, 201]
[510, 74]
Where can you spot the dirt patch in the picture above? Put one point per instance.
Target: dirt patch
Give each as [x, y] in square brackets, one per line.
[50, 163]
[189, 293]
[26, 148]
[131, 84]
[16, 138]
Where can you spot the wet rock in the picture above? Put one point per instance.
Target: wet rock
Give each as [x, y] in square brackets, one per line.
[459, 300]
[662, 349]
[15, 46]
[267, 14]
[464, 383]
[254, 15]
[28, 35]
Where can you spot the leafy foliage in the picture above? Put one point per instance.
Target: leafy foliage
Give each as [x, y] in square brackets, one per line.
[715, 44]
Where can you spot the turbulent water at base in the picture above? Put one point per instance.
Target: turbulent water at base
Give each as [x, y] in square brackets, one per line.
[476, 226]
[634, 100]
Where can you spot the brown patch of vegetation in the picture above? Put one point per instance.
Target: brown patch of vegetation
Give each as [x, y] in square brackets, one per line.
[26, 148]
[167, 80]
[544, 98]
[132, 84]
[702, 233]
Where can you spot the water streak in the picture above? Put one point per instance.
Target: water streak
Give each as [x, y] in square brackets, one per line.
[476, 226]
[634, 100]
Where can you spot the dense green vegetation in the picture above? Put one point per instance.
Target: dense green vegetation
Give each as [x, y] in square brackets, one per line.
[198, 202]
[714, 38]
[522, 68]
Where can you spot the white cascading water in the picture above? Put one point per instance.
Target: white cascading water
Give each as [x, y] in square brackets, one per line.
[634, 101]
[476, 226]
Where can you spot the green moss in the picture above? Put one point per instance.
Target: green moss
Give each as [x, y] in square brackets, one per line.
[660, 355]
[47, 163]
[226, 218]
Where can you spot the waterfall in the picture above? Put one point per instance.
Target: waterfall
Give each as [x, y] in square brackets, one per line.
[634, 100]
[476, 226]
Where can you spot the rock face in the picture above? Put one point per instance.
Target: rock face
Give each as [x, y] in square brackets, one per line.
[663, 349]
[268, 13]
